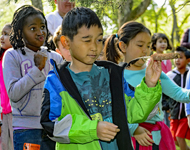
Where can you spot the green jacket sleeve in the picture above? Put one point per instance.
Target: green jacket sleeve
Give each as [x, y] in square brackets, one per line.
[83, 130]
[145, 98]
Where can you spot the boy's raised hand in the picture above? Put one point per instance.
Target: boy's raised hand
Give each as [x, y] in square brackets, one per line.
[40, 60]
[153, 72]
[106, 131]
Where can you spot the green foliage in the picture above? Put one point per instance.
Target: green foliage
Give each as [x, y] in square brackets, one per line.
[7, 9]
[51, 3]
[107, 10]
[151, 14]
[14, 1]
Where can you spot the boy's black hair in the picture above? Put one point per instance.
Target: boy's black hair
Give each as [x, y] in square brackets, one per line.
[76, 18]
[184, 50]
[17, 24]
[156, 36]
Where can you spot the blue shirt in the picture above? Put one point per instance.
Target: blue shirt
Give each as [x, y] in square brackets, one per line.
[94, 89]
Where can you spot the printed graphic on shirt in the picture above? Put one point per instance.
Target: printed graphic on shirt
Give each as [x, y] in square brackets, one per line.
[96, 96]
[26, 66]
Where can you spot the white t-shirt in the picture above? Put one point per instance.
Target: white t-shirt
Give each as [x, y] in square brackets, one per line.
[53, 21]
[164, 61]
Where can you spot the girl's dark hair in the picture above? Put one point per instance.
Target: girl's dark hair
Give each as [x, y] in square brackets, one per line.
[156, 36]
[76, 18]
[1, 49]
[126, 33]
[19, 17]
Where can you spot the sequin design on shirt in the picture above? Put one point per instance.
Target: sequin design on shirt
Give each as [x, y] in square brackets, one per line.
[95, 93]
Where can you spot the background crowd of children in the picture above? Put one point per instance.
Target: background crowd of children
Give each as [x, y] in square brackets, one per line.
[63, 85]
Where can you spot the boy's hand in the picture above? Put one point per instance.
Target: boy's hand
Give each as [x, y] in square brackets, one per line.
[153, 73]
[142, 136]
[106, 131]
[40, 60]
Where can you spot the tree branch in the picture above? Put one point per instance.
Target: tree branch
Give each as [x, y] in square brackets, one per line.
[184, 20]
[139, 10]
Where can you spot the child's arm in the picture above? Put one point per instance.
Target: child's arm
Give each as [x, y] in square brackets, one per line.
[187, 110]
[145, 98]
[187, 105]
[172, 90]
[142, 136]
[18, 83]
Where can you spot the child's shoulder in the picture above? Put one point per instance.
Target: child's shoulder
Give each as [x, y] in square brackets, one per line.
[171, 74]
[109, 64]
[12, 51]
[54, 54]
[111, 67]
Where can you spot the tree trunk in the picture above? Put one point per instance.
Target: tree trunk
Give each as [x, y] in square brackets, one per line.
[175, 37]
[37, 4]
[157, 16]
[126, 11]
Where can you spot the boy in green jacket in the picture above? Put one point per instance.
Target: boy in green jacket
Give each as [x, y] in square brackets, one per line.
[87, 104]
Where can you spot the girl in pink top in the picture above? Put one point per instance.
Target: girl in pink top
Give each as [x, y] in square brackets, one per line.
[7, 130]
[160, 43]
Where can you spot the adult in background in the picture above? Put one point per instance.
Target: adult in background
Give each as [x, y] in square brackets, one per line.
[185, 41]
[54, 19]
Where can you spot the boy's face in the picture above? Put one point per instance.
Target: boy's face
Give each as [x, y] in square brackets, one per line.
[182, 61]
[86, 46]
[64, 52]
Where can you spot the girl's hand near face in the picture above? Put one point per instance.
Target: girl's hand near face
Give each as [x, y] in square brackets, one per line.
[40, 60]
[153, 73]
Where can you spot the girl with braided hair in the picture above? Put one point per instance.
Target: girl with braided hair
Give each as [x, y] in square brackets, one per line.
[25, 68]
